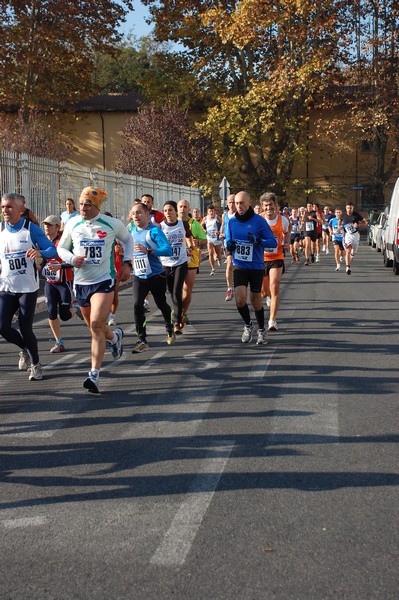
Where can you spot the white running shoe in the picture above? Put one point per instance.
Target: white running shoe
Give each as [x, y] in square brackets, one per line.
[24, 360]
[323, 248]
[91, 383]
[317, 258]
[348, 270]
[117, 348]
[212, 272]
[261, 337]
[272, 325]
[327, 250]
[229, 295]
[112, 321]
[35, 372]
[338, 268]
[268, 301]
[247, 333]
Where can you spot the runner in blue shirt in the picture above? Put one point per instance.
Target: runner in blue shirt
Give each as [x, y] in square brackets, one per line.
[248, 236]
[149, 275]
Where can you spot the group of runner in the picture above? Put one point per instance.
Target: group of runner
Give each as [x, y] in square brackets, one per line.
[162, 251]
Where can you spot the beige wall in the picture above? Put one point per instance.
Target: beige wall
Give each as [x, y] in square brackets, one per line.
[327, 171]
[96, 138]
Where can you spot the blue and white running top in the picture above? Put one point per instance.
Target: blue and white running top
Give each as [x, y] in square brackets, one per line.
[147, 265]
[19, 273]
[176, 236]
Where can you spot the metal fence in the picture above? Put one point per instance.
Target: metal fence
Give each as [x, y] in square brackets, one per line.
[47, 183]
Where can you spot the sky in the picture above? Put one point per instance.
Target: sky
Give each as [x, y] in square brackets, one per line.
[135, 21]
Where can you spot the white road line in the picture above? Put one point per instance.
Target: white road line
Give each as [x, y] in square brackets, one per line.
[178, 540]
[23, 522]
[33, 430]
[259, 371]
[62, 359]
[153, 360]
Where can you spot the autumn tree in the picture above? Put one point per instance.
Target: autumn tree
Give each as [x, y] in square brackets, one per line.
[266, 61]
[48, 49]
[152, 67]
[159, 143]
[369, 88]
[33, 135]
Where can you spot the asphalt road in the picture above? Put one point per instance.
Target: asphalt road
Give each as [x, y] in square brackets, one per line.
[212, 469]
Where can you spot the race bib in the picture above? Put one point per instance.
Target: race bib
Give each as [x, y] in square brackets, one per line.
[141, 265]
[94, 251]
[53, 277]
[350, 228]
[244, 251]
[309, 226]
[176, 251]
[15, 263]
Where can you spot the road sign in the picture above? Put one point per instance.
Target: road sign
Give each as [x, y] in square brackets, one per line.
[224, 191]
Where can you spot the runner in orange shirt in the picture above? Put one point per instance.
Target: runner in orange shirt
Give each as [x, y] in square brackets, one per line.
[274, 261]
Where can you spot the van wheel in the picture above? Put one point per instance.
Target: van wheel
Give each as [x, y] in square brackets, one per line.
[395, 267]
[387, 261]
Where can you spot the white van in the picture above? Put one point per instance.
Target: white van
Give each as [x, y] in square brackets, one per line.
[390, 248]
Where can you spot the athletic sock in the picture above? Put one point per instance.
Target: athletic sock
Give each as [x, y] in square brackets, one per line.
[245, 314]
[260, 318]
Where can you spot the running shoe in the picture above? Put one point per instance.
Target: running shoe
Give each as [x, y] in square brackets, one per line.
[268, 301]
[78, 312]
[112, 321]
[146, 306]
[35, 372]
[327, 251]
[272, 325]
[348, 270]
[338, 268]
[91, 383]
[229, 295]
[117, 348]
[312, 258]
[212, 272]
[261, 337]
[247, 333]
[140, 346]
[306, 263]
[171, 337]
[218, 262]
[57, 348]
[24, 360]
[341, 259]
[323, 248]
[186, 319]
[177, 328]
[317, 258]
